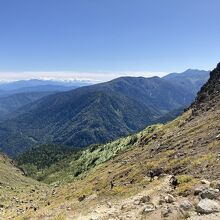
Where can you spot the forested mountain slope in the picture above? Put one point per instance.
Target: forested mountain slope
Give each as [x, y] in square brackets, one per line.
[10, 104]
[93, 114]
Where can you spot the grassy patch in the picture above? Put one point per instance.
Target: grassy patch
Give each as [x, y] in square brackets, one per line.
[203, 160]
[186, 184]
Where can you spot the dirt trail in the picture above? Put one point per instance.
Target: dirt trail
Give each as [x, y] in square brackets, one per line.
[128, 208]
[132, 209]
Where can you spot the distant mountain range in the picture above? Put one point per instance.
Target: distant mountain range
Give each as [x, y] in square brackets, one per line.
[36, 85]
[99, 113]
[37, 82]
[14, 95]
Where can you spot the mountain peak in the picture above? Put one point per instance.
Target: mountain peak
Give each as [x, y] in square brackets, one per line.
[215, 74]
[191, 70]
[209, 95]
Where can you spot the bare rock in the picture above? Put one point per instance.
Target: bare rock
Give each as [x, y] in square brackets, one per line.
[169, 198]
[186, 205]
[206, 182]
[145, 199]
[209, 193]
[207, 206]
[155, 172]
[109, 204]
[148, 208]
[127, 207]
[166, 212]
[161, 200]
[198, 190]
[81, 198]
[136, 202]
[174, 181]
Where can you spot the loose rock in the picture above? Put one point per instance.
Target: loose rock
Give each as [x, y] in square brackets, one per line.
[166, 212]
[145, 199]
[186, 205]
[206, 182]
[148, 208]
[109, 204]
[209, 194]
[207, 206]
[198, 190]
[169, 198]
[81, 198]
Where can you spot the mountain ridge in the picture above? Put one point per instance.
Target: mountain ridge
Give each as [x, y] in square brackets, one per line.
[15, 101]
[93, 114]
[209, 93]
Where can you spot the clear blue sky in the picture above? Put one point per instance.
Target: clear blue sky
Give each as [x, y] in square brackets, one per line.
[109, 35]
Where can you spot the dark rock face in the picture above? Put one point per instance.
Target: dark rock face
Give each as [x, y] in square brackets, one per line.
[209, 94]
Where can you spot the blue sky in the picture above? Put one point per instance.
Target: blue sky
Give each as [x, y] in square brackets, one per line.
[107, 36]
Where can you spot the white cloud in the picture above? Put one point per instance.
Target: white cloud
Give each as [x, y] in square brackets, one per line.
[88, 76]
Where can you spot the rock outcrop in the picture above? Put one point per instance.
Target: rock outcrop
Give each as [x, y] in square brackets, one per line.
[209, 94]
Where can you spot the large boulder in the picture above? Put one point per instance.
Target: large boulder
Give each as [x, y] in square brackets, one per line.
[207, 206]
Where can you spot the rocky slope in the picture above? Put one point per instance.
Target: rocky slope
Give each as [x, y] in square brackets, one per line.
[18, 193]
[209, 94]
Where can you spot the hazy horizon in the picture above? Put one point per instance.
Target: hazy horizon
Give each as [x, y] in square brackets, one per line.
[78, 76]
[72, 76]
[83, 40]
